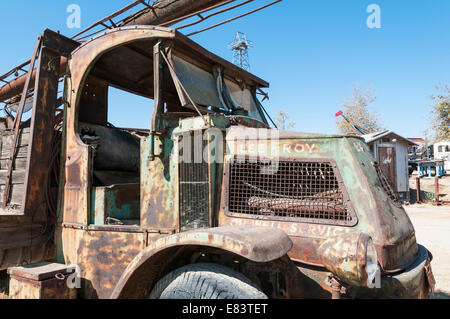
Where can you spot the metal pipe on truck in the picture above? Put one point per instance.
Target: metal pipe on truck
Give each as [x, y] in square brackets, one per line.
[160, 13]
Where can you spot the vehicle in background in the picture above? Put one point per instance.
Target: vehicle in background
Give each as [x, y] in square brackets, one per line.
[442, 151]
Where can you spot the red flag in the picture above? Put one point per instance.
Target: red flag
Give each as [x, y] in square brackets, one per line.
[339, 113]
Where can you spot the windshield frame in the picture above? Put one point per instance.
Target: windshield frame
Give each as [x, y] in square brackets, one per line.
[223, 102]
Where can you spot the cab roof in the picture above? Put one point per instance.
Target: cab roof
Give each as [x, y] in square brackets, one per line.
[129, 63]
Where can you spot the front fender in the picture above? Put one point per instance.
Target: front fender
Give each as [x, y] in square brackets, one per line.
[258, 244]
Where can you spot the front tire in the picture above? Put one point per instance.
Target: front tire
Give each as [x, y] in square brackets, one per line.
[205, 281]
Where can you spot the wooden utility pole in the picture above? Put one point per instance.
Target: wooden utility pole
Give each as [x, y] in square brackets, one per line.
[436, 191]
[418, 201]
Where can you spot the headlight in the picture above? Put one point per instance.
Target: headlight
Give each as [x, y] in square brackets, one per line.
[372, 268]
[351, 257]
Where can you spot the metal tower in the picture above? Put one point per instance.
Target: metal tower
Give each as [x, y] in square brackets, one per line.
[240, 47]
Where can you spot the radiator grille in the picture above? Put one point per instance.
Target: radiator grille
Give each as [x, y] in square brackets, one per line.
[194, 196]
[298, 190]
[194, 182]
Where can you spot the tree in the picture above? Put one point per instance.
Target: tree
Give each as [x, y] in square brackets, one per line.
[440, 119]
[356, 109]
[282, 121]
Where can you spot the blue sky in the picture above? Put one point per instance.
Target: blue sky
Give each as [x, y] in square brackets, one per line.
[311, 51]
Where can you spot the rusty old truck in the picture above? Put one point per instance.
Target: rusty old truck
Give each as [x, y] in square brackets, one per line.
[209, 193]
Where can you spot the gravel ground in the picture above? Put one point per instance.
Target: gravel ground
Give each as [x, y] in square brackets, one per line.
[432, 225]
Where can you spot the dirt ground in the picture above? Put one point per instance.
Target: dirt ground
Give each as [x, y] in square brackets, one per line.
[432, 225]
[427, 188]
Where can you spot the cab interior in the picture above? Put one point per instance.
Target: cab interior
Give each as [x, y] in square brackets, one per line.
[115, 173]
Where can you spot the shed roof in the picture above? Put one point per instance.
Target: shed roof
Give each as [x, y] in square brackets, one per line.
[417, 140]
[372, 137]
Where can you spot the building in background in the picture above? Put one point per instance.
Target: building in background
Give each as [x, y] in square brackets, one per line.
[391, 152]
[422, 151]
[442, 151]
[421, 143]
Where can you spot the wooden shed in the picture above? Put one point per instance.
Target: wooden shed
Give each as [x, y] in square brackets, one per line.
[391, 152]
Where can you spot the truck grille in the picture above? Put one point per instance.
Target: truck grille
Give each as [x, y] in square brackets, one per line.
[299, 190]
[194, 196]
[194, 185]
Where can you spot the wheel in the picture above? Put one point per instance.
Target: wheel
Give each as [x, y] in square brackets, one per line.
[205, 281]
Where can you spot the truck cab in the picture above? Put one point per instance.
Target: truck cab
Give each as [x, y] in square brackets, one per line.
[211, 188]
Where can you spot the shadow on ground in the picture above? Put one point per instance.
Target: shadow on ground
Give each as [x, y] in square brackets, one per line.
[424, 196]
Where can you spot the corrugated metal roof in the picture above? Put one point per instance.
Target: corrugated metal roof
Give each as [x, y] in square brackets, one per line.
[369, 138]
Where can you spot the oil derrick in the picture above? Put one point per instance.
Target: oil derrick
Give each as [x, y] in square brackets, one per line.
[165, 13]
[240, 47]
